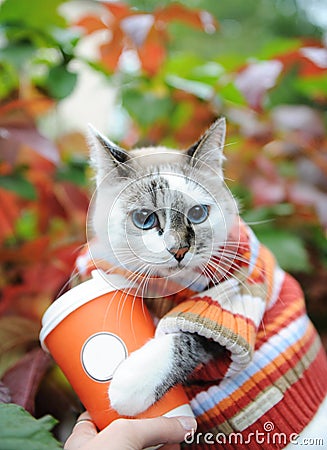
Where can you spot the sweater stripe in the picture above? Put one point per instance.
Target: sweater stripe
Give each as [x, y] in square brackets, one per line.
[272, 374]
[212, 316]
[292, 312]
[247, 401]
[261, 359]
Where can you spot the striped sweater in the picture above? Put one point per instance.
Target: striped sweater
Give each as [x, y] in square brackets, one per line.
[272, 377]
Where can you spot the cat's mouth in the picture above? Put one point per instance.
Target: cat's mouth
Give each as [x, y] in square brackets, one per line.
[177, 268]
[172, 269]
[173, 266]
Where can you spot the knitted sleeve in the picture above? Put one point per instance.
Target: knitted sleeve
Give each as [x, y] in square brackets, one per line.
[228, 313]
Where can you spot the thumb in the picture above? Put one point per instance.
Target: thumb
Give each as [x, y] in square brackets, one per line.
[161, 430]
[83, 431]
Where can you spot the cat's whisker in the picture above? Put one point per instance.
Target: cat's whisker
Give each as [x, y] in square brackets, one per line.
[221, 272]
[242, 283]
[136, 298]
[231, 262]
[214, 279]
[122, 293]
[232, 257]
[144, 285]
[75, 275]
[133, 290]
[216, 282]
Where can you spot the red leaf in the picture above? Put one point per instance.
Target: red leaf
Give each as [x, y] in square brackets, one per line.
[316, 55]
[74, 201]
[145, 33]
[152, 56]
[29, 252]
[311, 60]
[9, 213]
[24, 377]
[111, 51]
[33, 104]
[197, 19]
[47, 207]
[118, 10]
[90, 24]
[33, 138]
[54, 271]
[17, 126]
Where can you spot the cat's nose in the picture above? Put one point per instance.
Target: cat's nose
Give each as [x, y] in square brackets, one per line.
[178, 253]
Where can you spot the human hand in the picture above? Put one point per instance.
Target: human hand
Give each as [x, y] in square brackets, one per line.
[131, 434]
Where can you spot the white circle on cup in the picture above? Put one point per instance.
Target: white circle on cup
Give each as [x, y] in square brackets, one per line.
[101, 355]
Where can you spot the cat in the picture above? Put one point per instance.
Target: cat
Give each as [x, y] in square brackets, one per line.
[175, 208]
[166, 215]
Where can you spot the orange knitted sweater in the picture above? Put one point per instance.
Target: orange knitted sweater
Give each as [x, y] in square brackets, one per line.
[272, 377]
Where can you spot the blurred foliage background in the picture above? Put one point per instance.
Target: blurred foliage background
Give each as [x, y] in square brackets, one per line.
[171, 68]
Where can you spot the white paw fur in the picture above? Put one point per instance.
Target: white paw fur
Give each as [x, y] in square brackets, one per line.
[132, 389]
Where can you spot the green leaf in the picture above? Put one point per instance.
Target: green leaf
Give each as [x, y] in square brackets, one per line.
[201, 90]
[26, 227]
[244, 199]
[18, 184]
[75, 172]
[279, 46]
[8, 79]
[146, 107]
[230, 93]
[191, 74]
[266, 214]
[181, 114]
[17, 54]
[285, 90]
[40, 14]
[67, 38]
[194, 68]
[19, 430]
[312, 86]
[60, 82]
[208, 72]
[288, 248]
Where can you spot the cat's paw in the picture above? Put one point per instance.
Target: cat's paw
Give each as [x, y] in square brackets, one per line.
[139, 379]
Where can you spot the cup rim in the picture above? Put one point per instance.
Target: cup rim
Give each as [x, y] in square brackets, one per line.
[98, 285]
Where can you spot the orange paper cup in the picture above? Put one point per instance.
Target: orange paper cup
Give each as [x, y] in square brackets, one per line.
[89, 331]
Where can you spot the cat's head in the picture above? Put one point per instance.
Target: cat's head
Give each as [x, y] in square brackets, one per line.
[161, 211]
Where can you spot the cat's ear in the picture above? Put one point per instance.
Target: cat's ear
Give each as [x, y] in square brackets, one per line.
[209, 148]
[107, 157]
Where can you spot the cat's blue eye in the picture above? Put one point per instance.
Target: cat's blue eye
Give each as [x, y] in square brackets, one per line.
[144, 219]
[198, 214]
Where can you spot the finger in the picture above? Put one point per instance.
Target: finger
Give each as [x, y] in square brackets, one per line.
[171, 430]
[85, 415]
[83, 431]
[161, 430]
